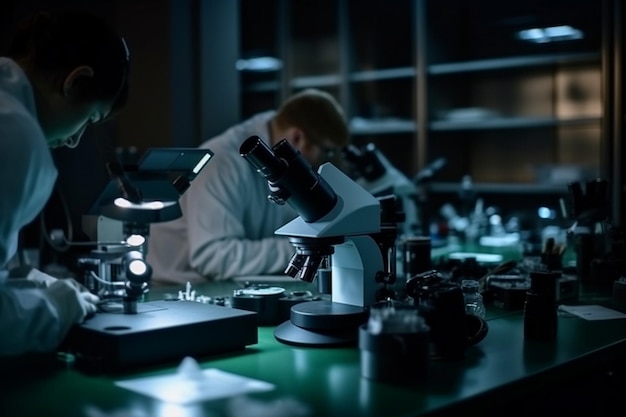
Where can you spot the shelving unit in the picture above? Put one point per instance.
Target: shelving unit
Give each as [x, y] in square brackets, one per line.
[429, 79]
[343, 47]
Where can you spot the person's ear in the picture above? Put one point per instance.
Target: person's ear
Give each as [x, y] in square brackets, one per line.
[297, 137]
[75, 74]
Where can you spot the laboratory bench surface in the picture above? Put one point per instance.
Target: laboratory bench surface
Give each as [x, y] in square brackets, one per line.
[501, 375]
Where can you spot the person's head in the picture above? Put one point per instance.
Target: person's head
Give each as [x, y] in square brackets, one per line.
[314, 123]
[79, 68]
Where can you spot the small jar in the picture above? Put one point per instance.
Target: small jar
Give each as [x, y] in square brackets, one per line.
[394, 345]
[474, 303]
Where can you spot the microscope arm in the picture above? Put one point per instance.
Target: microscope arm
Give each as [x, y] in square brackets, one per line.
[356, 212]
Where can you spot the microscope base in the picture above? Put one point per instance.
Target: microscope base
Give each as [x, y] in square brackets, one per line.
[322, 323]
[161, 331]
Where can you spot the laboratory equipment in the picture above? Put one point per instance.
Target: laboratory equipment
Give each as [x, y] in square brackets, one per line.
[540, 307]
[394, 344]
[440, 301]
[377, 175]
[600, 248]
[474, 303]
[417, 255]
[127, 330]
[337, 218]
[119, 220]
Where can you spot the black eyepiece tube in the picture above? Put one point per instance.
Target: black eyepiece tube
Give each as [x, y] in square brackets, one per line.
[261, 157]
[291, 176]
[310, 195]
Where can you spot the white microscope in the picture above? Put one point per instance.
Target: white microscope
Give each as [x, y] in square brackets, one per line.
[338, 219]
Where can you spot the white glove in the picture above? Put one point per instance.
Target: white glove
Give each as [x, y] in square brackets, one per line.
[72, 301]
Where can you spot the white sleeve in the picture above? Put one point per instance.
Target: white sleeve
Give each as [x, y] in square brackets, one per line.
[219, 244]
[28, 176]
[29, 322]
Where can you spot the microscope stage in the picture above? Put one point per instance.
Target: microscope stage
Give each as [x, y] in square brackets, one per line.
[322, 323]
[160, 331]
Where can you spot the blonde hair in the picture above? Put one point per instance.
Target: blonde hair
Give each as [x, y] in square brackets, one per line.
[317, 114]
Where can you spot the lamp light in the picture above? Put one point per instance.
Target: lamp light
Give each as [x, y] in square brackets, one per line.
[161, 177]
[135, 267]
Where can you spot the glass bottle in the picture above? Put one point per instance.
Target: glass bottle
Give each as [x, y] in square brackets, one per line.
[474, 303]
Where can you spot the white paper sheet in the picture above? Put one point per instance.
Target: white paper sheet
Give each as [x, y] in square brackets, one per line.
[593, 312]
[190, 384]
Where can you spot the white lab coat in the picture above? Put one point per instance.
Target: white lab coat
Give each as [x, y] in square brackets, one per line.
[227, 227]
[29, 322]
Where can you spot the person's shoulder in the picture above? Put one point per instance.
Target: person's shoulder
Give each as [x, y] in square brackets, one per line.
[17, 108]
[236, 134]
[17, 120]
[10, 71]
[24, 144]
[20, 128]
[227, 144]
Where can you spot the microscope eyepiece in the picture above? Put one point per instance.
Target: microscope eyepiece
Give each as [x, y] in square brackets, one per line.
[261, 157]
[365, 162]
[291, 177]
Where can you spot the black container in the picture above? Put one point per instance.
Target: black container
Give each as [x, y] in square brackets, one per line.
[417, 255]
[445, 315]
[584, 256]
[540, 308]
[399, 358]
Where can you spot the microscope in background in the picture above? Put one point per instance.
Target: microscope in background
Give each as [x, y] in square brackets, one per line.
[376, 174]
[600, 245]
[337, 222]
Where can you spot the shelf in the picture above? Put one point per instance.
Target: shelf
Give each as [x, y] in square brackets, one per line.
[333, 79]
[383, 74]
[362, 126]
[512, 63]
[316, 81]
[500, 188]
[428, 79]
[509, 123]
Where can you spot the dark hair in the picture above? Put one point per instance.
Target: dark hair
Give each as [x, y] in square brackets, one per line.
[57, 44]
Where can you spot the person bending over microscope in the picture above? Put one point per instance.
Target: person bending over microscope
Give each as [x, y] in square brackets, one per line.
[228, 223]
[61, 74]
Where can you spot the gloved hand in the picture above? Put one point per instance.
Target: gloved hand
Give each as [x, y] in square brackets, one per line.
[72, 300]
[44, 280]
